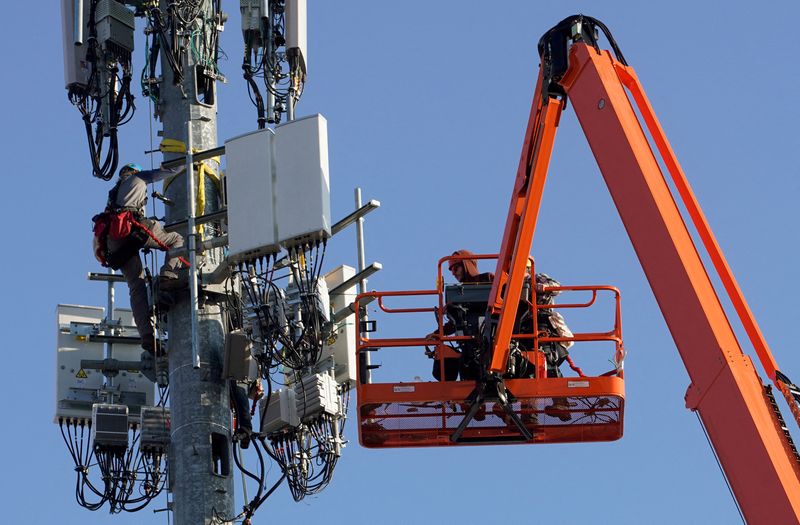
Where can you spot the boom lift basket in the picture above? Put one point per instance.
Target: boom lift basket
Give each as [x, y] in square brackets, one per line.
[428, 413]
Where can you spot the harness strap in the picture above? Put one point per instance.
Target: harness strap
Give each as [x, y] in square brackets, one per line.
[160, 244]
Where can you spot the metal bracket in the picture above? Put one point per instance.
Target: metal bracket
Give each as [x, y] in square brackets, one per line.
[110, 367]
[357, 278]
[353, 217]
[349, 310]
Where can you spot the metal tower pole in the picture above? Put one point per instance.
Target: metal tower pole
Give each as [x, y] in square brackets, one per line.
[199, 459]
[362, 285]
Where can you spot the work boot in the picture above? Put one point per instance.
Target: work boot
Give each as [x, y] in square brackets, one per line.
[529, 416]
[480, 415]
[161, 371]
[147, 366]
[169, 280]
[151, 345]
[499, 412]
[560, 409]
[165, 299]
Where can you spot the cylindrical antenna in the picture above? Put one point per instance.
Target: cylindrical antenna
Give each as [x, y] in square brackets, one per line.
[77, 29]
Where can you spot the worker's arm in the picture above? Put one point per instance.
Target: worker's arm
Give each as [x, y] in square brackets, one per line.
[151, 176]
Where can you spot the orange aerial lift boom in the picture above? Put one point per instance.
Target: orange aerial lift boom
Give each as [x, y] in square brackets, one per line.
[738, 412]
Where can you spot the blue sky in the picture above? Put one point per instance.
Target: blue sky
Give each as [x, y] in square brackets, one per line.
[426, 105]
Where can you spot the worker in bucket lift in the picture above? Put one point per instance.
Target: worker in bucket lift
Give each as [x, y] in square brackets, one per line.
[127, 230]
[465, 271]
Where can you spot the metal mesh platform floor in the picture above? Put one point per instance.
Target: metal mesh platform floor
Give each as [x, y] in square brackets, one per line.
[551, 419]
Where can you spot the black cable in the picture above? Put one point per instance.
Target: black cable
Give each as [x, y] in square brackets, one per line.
[157, 21]
[719, 464]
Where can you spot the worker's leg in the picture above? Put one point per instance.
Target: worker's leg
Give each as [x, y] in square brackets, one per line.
[171, 240]
[134, 275]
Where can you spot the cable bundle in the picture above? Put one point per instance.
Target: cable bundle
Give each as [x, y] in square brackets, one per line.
[122, 471]
[270, 65]
[108, 86]
[287, 325]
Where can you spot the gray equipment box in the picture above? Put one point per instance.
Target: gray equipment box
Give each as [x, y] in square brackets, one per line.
[281, 412]
[238, 364]
[110, 426]
[76, 388]
[115, 25]
[316, 394]
[79, 336]
[156, 429]
[252, 12]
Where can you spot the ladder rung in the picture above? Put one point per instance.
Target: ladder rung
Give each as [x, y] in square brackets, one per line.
[113, 277]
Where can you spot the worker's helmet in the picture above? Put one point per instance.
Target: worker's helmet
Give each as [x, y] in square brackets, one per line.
[128, 169]
[455, 262]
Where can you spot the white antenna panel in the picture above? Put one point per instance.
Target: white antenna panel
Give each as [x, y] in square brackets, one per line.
[297, 33]
[278, 188]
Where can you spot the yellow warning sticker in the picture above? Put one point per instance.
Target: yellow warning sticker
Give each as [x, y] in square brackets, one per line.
[81, 374]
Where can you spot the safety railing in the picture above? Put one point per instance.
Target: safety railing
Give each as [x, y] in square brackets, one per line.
[442, 342]
[425, 413]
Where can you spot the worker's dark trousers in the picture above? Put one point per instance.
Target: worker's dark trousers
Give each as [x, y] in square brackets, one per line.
[134, 275]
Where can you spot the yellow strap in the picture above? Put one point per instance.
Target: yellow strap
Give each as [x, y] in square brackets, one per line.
[172, 146]
[202, 169]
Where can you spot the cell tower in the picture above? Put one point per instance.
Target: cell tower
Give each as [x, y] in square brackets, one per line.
[252, 324]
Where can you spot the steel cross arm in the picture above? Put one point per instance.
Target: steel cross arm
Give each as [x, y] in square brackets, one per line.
[352, 281]
[196, 157]
[219, 215]
[354, 216]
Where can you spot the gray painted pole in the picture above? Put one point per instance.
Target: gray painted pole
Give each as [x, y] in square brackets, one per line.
[362, 285]
[201, 480]
[109, 320]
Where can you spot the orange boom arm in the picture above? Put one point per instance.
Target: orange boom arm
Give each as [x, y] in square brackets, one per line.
[748, 435]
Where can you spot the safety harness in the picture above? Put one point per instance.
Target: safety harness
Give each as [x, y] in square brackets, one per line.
[118, 224]
[121, 224]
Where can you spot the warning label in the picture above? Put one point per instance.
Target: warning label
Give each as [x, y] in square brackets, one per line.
[81, 374]
[577, 384]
